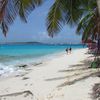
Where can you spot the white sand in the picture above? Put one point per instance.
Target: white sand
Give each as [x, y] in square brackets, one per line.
[52, 80]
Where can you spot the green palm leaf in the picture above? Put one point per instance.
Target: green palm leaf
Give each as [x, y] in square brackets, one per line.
[55, 18]
[10, 9]
[63, 12]
[73, 12]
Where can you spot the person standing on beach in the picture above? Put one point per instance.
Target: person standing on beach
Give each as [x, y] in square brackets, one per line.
[70, 50]
[67, 50]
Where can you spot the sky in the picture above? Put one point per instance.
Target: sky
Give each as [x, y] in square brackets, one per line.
[35, 29]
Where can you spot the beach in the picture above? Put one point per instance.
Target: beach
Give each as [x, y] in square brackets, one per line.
[64, 77]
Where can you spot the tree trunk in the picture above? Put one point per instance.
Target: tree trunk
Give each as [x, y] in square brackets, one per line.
[98, 3]
[99, 43]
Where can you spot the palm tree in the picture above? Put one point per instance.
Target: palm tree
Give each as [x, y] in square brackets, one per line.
[83, 13]
[89, 25]
[69, 12]
[10, 9]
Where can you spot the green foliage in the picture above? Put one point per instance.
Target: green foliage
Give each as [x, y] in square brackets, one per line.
[55, 18]
[96, 63]
[10, 9]
[83, 13]
[61, 13]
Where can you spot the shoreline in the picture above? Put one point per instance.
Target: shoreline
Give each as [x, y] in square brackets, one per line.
[55, 79]
[35, 61]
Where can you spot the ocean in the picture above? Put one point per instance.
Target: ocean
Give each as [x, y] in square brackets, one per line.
[17, 54]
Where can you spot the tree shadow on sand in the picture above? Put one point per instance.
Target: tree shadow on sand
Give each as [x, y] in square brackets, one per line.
[77, 72]
[24, 93]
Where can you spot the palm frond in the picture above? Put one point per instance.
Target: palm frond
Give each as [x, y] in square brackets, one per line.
[10, 9]
[55, 19]
[3, 4]
[88, 26]
[63, 12]
[7, 14]
[25, 7]
[83, 23]
[70, 12]
[73, 12]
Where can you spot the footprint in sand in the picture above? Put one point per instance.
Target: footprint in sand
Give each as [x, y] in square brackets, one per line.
[31, 84]
[28, 84]
[25, 78]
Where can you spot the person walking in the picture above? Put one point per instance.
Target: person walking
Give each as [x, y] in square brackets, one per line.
[67, 50]
[70, 50]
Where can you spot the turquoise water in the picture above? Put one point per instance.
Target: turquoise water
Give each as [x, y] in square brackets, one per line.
[11, 55]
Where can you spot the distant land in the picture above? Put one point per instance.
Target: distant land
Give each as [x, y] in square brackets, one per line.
[18, 43]
[12, 43]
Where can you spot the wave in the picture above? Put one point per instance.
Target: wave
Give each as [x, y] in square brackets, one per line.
[5, 69]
